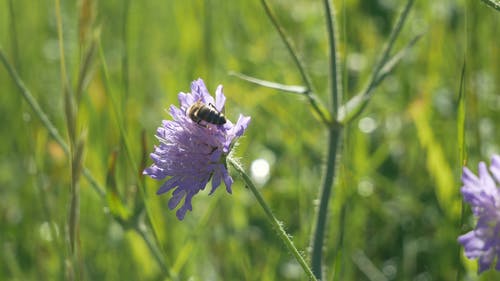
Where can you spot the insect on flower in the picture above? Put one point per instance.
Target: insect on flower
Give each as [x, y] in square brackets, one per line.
[190, 153]
[199, 111]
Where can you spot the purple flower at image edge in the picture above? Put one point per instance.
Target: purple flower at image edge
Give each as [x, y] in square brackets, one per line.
[482, 192]
[192, 153]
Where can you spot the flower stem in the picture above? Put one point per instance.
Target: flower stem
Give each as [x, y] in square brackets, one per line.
[275, 223]
[335, 72]
[334, 138]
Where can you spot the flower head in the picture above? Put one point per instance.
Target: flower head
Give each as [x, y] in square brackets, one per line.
[190, 152]
[483, 194]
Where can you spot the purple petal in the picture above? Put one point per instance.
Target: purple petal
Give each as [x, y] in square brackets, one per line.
[216, 180]
[185, 100]
[241, 125]
[168, 185]
[155, 172]
[485, 261]
[220, 99]
[468, 178]
[486, 180]
[200, 92]
[228, 181]
[176, 198]
[181, 213]
[473, 245]
[495, 167]
[185, 207]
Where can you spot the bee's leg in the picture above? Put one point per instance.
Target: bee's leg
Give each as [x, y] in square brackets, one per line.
[201, 125]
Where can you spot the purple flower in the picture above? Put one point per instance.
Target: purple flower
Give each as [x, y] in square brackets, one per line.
[191, 153]
[483, 194]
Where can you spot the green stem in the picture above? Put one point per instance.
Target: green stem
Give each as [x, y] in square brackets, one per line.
[275, 223]
[335, 73]
[334, 138]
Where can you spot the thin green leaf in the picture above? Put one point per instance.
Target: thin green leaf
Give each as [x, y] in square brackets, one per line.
[492, 3]
[389, 66]
[396, 30]
[352, 108]
[349, 111]
[319, 110]
[289, 46]
[461, 114]
[273, 85]
[356, 105]
[461, 117]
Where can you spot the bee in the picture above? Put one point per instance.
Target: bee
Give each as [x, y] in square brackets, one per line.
[199, 111]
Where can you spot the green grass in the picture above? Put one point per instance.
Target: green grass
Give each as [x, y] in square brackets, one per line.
[396, 206]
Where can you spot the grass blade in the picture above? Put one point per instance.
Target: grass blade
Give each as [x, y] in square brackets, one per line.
[461, 114]
[461, 123]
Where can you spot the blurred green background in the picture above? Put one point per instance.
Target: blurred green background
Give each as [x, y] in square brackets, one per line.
[395, 212]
